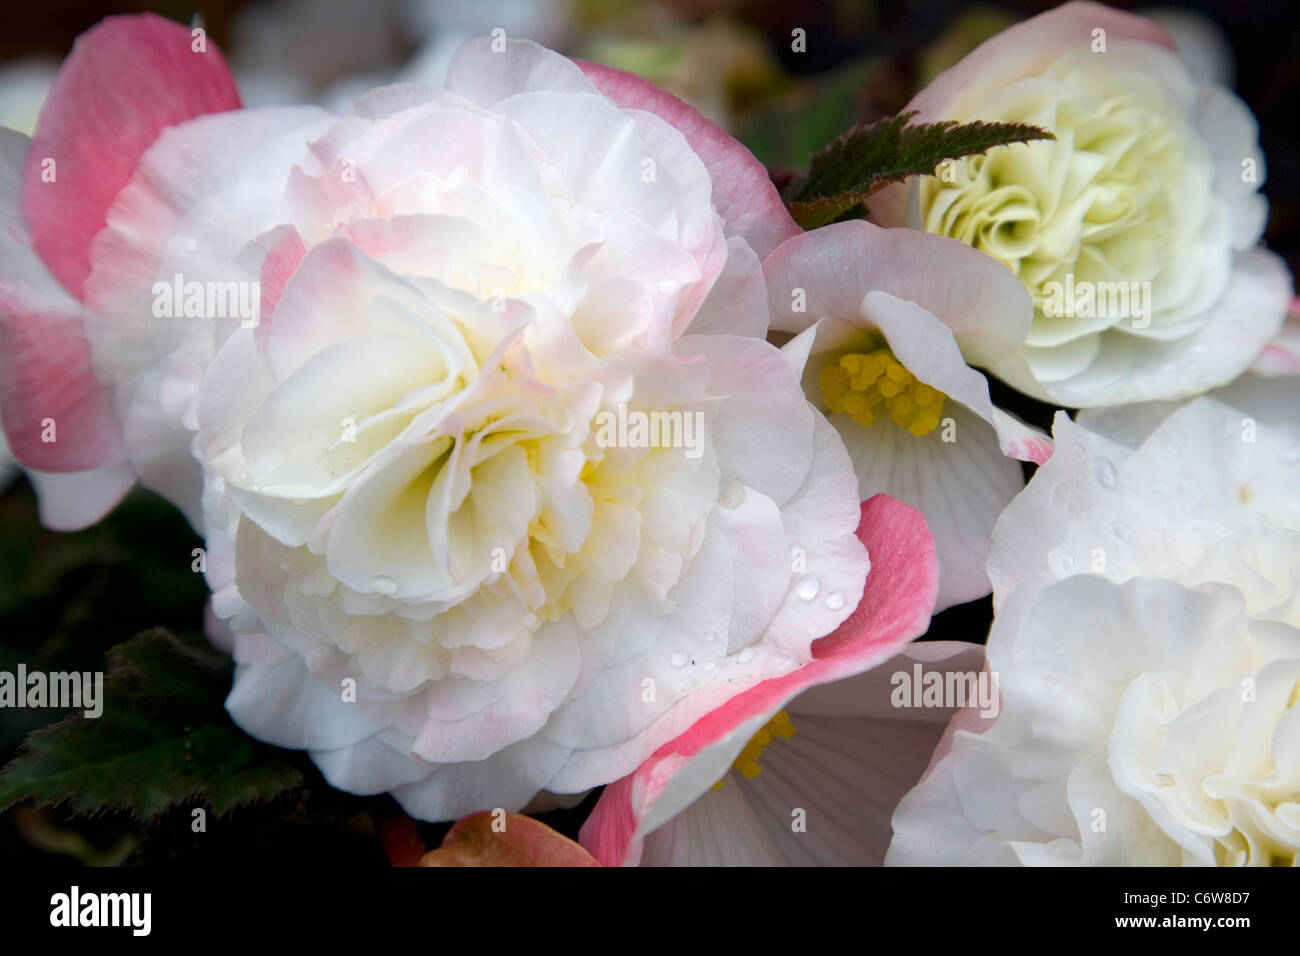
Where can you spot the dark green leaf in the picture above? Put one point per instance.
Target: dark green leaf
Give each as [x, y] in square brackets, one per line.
[163, 739]
[844, 173]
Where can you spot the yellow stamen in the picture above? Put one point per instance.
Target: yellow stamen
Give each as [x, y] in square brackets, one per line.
[747, 762]
[860, 382]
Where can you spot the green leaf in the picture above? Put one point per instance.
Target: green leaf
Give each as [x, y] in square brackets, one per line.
[163, 739]
[844, 173]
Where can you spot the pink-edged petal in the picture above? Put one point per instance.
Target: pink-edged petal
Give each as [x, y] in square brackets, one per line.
[284, 254]
[743, 193]
[986, 307]
[45, 370]
[737, 303]
[1019, 51]
[490, 838]
[960, 477]
[1025, 49]
[56, 414]
[1282, 355]
[929, 350]
[484, 73]
[126, 80]
[75, 500]
[895, 607]
[853, 755]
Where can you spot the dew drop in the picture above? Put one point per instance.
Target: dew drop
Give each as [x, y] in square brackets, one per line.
[835, 600]
[1061, 562]
[678, 659]
[807, 587]
[710, 636]
[383, 584]
[189, 243]
[1105, 472]
[1059, 494]
[733, 496]
[746, 655]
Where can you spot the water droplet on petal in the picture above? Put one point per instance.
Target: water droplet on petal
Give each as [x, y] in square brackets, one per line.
[807, 587]
[746, 655]
[710, 636]
[733, 496]
[1061, 562]
[1105, 472]
[835, 600]
[383, 584]
[678, 659]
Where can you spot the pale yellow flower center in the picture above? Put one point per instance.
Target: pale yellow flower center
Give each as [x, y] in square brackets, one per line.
[747, 762]
[864, 384]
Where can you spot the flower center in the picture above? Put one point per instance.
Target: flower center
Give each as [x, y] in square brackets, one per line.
[747, 762]
[862, 384]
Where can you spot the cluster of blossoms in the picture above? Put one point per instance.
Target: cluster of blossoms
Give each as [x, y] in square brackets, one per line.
[437, 575]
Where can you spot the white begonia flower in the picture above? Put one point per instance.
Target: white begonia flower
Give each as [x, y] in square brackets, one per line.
[522, 602]
[882, 318]
[1142, 724]
[501, 485]
[1200, 493]
[797, 794]
[1136, 230]
[1146, 645]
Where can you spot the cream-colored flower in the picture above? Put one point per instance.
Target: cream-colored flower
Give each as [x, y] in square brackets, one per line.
[1135, 231]
[1146, 644]
[1142, 724]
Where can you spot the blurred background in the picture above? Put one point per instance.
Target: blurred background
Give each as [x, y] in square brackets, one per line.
[65, 600]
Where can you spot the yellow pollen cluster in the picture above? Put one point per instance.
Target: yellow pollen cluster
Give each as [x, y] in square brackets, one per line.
[861, 382]
[747, 763]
